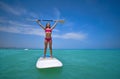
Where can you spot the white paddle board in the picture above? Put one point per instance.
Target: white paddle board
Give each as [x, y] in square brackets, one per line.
[48, 62]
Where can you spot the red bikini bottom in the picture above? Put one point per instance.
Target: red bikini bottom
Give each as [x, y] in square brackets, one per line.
[48, 39]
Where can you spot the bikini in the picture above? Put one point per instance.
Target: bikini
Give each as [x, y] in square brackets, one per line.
[48, 31]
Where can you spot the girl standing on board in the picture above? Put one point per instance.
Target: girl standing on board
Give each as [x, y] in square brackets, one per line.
[48, 36]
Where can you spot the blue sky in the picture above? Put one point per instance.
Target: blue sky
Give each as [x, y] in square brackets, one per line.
[89, 24]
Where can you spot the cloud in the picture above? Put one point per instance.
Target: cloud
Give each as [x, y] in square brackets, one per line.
[39, 32]
[21, 30]
[72, 35]
[33, 15]
[13, 10]
[56, 30]
[57, 13]
[17, 10]
[2, 20]
[15, 23]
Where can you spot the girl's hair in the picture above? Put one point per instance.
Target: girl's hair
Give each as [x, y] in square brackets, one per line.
[46, 25]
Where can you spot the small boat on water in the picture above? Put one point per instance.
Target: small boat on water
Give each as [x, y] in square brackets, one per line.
[26, 49]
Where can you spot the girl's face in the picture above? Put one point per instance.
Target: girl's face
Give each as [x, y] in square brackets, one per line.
[48, 25]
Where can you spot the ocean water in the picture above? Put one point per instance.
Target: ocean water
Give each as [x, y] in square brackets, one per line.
[77, 64]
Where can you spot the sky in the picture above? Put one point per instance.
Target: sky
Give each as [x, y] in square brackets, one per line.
[89, 24]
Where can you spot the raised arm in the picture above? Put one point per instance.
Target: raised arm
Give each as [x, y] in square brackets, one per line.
[40, 24]
[54, 25]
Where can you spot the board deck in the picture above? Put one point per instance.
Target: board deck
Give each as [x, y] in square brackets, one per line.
[48, 62]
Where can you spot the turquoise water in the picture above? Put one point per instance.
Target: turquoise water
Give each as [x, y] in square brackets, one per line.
[78, 64]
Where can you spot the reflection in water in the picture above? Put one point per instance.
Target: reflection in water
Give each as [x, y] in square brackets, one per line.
[50, 73]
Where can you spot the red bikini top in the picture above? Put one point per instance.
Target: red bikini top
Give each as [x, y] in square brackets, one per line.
[48, 30]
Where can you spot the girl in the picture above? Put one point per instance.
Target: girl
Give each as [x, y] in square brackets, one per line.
[48, 36]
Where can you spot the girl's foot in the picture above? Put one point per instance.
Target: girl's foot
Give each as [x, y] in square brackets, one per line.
[51, 56]
[44, 56]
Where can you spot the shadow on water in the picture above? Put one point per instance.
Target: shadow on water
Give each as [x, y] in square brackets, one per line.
[50, 72]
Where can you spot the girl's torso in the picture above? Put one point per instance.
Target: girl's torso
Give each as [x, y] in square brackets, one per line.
[48, 32]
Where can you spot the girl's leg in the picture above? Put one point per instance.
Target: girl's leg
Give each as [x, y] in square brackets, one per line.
[50, 46]
[45, 48]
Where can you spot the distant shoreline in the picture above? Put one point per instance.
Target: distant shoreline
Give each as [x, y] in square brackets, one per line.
[62, 49]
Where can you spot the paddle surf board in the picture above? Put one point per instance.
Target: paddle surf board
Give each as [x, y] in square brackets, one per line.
[48, 62]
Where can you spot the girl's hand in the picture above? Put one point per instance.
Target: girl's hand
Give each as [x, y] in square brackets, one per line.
[38, 21]
[60, 21]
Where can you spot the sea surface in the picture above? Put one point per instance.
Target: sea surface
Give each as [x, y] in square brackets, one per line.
[77, 64]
